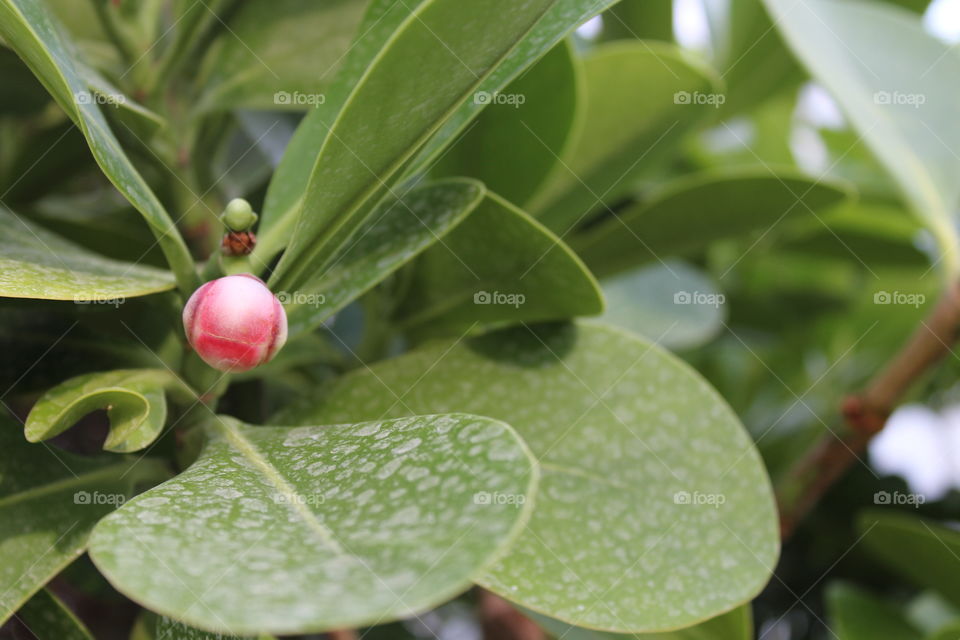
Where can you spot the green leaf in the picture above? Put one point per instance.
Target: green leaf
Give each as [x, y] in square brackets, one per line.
[31, 31]
[291, 179]
[278, 55]
[673, 304]
[396, 234]
[753, 59]
[734, 625]
[920, 550]
[903, 100]
[383, 122]
[291, 530]
[153, 627]
[643, 19]
[134, 400]
[633, 444]
[532, 118]
[519, 272]
[47, 617]
[49, 501]
[693, 212]
[856, 615]
[35, 263]
[640, 99]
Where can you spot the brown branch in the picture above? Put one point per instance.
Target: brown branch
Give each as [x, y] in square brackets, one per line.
[501, 621]
[866, 413]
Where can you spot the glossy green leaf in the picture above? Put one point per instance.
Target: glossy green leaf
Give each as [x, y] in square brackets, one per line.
[634, 446]
[134, 400]
[32, 32]
[922, 551]
[49, 501]
[47, 617]
[532, 118]
[689, 214]
[395, 234]
[35, 263]
[284, 198]
[857, 615]
[278, 55]
[673, 304]
[519, 272]
[383, 122]
[734, 625]
[289, 530]
[640, 99]
[903, 100]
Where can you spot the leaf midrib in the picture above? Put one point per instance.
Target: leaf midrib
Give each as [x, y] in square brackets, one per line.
[250, 451]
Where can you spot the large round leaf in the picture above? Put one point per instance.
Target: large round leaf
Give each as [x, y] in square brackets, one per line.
[294, 530]
[655, 511]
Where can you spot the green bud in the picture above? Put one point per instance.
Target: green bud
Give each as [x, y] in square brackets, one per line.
[239, 215]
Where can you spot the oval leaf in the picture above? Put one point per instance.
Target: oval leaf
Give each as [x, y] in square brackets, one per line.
[520, 272]
[629, 533]
[693, 212]
[903, 100]
[294, 530]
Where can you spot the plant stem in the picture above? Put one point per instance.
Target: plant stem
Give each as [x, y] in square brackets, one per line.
[866, 413]
[112, 29]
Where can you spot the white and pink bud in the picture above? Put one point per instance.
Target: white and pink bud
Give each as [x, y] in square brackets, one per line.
[235, 323]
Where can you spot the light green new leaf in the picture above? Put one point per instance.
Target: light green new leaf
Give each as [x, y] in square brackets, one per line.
[295, 530]
[442, 57]
[734, 625]
[673, 304]
[278, 55]
[695, 211]
[30, 30]
[922, 551]
[637, 452]
[856, 615]
[49, 501]
[903, 100]
[47, 617]
[640, 99]
[134, 400]
[35, 263]
[517, 141]
[519, 272]
[395, 234]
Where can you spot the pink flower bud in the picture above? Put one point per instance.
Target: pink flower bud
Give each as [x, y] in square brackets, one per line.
[235, 323]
